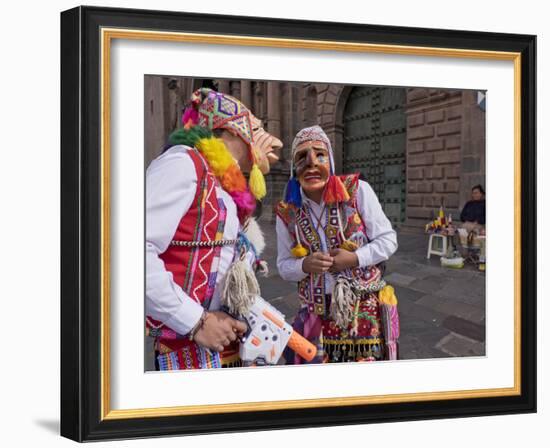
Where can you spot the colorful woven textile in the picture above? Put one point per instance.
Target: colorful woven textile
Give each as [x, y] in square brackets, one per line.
[218, 110]
[362, 341]
[301, 228]
[192, 356]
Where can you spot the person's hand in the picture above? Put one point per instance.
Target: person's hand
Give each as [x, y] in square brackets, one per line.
[343, 259]
[317, 263]
[218, 330]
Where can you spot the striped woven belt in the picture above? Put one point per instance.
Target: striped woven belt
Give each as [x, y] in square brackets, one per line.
[214, 243]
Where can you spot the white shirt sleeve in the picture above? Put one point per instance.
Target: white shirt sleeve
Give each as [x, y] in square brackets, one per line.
[383, 239]
[171, 183]
[290, 267]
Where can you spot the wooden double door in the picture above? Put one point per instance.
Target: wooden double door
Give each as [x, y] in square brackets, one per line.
[375, 144]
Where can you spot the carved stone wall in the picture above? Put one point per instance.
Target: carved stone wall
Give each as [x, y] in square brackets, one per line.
[434, 145]
[445, 144]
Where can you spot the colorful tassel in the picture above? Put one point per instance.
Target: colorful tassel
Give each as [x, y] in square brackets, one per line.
[190, 117]
[233, 179]
[189, 137]
[245, 202]
[387, 296]
[256, 183]
[335, 191]
[218, 156]
[240, 289]
[349, 245]
[292, 194]
[299, 251]
[223, 166]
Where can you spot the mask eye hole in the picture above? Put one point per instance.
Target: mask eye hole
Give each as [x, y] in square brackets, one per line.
[300, 164]
[300, 158]
[322, 158]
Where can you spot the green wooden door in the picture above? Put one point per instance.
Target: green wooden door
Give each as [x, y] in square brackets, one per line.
[374, 144]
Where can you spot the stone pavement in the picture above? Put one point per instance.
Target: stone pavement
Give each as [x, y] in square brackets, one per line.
[442, 310]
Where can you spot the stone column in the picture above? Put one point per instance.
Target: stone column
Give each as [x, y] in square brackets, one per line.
[160, 118]
[290, 119]
[273, 122]
[246, 94]
[258, 100]
[235, 89]
[187, 90]
[223, 86]
[472, 170]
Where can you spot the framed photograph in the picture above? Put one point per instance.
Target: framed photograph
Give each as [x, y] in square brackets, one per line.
[391, 172]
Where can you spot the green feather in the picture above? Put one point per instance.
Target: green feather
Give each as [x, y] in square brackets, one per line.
[189, 137]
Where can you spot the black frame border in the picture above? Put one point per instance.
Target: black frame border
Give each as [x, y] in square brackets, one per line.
[81, 223]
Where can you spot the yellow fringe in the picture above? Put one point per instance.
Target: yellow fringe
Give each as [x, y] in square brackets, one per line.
[218, 156]
[231, 361]
[257, 183]
[371, 341]
[387, 296]
[349, 246]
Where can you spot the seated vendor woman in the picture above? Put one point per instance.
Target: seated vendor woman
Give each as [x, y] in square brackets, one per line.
[473, 213]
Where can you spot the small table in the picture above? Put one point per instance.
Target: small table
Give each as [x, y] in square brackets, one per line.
[439, 237]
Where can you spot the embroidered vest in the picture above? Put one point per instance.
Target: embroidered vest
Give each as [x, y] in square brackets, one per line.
[312, 290]
[194, 268]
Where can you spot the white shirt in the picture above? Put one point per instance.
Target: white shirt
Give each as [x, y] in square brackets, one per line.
[171, 183]
[383, 239]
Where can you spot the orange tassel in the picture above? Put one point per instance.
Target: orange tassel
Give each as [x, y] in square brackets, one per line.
[335, 191]
[233, 179]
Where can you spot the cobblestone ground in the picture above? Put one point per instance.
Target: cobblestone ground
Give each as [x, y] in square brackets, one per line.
[442, 310]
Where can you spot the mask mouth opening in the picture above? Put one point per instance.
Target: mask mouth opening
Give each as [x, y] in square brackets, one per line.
[272, 157]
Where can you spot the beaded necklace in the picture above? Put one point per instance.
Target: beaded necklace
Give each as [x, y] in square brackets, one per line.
[319, 225]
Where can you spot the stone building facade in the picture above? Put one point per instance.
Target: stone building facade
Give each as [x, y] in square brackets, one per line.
[419, 148]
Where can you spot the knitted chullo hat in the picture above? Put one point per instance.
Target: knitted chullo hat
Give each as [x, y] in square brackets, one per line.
[334, 190]
[313, 133]
[216, 110]
[209, 110]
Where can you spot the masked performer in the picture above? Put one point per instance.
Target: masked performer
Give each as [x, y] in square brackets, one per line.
[198, 206]
[332, 234]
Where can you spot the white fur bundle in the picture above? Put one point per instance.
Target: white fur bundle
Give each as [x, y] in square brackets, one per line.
[255, 235]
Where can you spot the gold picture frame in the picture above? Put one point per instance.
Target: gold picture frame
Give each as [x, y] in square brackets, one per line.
[86, 46]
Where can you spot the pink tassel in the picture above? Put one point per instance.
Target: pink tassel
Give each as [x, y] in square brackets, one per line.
[190, 117]
[245, 202]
